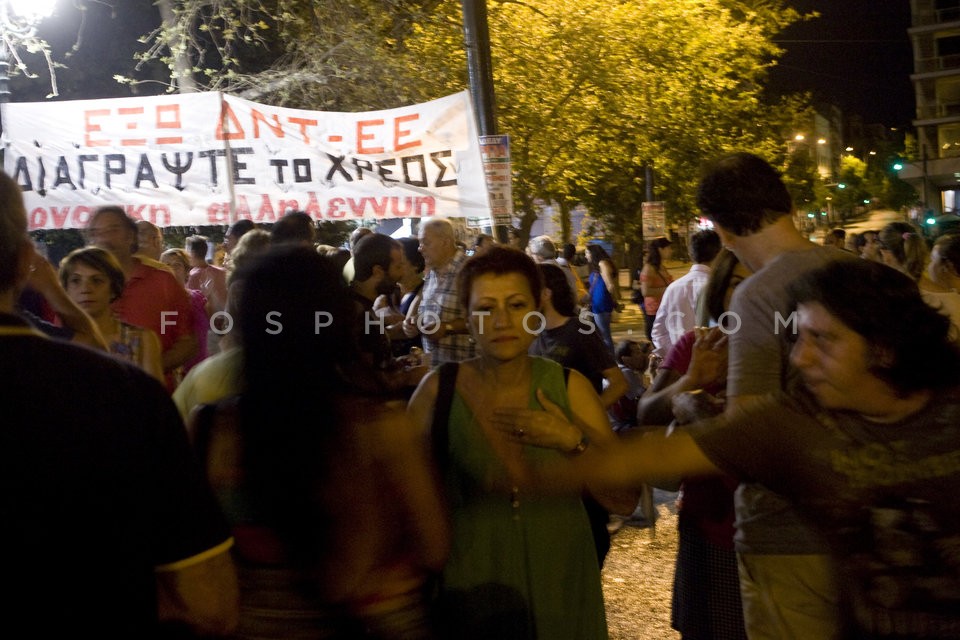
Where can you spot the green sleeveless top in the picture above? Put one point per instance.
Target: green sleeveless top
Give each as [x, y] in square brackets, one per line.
[521, 566]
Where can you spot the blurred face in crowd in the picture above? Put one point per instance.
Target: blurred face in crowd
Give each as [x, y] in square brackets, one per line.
[834, 361]
[229, 242]
[180, 270]
[149, 240]
[436, 247]
[740, 273]
[498, 306]
[871, 250]
[639, 355]
[107, 231]
[89, 288]
[393, 274]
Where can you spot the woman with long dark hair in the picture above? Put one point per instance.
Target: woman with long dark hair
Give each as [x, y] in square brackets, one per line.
[604, 291]
[329, 491]
[654, 279]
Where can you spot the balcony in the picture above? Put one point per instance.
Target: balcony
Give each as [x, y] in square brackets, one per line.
[940, 110]
[928, 18]
[937, 64]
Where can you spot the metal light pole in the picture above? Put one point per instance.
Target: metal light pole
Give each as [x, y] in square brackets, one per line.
[479, 65]
[480, 73]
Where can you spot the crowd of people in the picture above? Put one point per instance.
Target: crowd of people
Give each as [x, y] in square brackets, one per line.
[410, 440]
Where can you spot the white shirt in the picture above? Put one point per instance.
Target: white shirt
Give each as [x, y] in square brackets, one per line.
[678, 309]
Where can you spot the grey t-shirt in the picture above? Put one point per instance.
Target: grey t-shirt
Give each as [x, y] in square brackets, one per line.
[886, 496]
[760, 364]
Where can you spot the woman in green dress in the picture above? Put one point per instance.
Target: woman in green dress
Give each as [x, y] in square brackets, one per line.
[522, 563]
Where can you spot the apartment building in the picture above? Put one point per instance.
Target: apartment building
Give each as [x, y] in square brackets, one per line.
[935, 34]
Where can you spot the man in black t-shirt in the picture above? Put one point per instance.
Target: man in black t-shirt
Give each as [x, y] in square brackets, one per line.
[108, 523]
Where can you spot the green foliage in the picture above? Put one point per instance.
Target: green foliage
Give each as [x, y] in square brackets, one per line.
[591, 95]
[851, 189]
[801, 177]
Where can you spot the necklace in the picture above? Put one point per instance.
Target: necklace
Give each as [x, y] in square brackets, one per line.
[496, 393]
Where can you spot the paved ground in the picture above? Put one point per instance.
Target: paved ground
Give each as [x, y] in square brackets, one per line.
[638, 577]
[629, 323]
[638, 572]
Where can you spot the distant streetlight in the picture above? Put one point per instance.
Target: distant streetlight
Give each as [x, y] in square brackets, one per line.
[849, 149]
[822, 141]
[799, 137]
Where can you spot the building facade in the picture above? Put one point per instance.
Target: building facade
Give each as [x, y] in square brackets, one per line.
[935, 35]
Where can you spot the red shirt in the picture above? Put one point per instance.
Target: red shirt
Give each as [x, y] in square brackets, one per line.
[153, 299]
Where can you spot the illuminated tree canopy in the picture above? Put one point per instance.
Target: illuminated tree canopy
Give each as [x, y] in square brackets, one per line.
[591, 93]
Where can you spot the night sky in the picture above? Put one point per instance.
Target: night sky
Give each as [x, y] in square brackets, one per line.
[857, 55]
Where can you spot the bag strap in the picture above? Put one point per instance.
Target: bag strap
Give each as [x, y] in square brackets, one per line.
[440, 430]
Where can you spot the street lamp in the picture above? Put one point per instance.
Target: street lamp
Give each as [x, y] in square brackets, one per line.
[18, 22]
[32, 10]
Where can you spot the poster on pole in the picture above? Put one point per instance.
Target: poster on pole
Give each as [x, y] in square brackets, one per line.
[211, 158]
[496, 165]
[654, 219]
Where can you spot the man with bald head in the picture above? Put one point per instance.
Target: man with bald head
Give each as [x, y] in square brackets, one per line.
[149, 241]
[440, 318]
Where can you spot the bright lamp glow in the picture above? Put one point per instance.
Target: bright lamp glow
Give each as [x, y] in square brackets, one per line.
[32, 9]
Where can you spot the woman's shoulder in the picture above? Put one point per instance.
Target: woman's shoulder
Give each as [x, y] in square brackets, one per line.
[546, 372]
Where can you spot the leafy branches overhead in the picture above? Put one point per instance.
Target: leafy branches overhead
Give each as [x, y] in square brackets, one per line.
[339, 54]
[591, 93]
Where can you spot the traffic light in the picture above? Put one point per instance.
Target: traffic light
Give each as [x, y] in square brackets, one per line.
[897, 165]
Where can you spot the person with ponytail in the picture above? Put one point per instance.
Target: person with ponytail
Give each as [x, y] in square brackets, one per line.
[654, 280]
[903, 248]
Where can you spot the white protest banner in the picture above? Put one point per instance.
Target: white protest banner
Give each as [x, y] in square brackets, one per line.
[205, 158]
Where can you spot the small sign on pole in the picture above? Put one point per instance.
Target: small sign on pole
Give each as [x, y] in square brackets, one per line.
[495, 151]
[654, 219]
